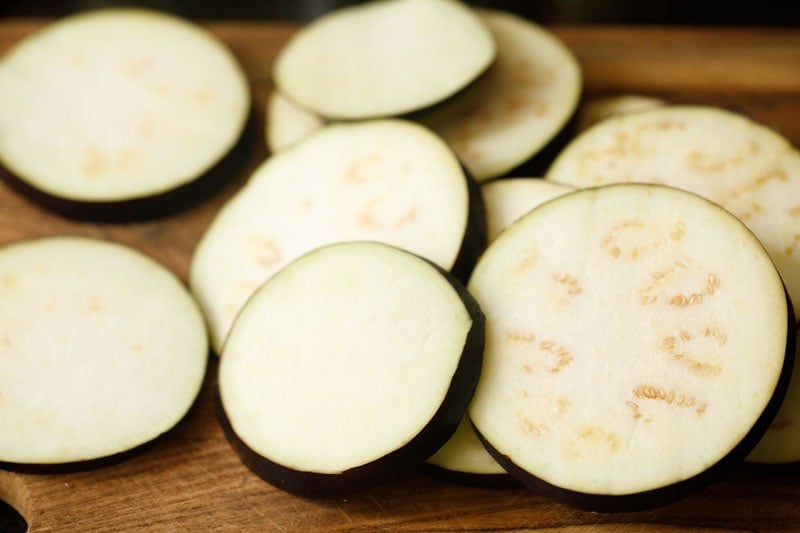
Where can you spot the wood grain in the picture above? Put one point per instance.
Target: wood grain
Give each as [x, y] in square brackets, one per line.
[190, 480]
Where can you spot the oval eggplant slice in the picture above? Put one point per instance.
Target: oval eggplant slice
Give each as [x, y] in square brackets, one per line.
[464, 460]
[101, 351]
[288, 123]
[507, 199]
[650, 352]
[388, 180]
[739, 164]
[521, 104]
[119, 114]
[383, 58]
[351, 365]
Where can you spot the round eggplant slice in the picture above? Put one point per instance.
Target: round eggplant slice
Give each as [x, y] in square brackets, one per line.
[650, 353]
[387, 180]
[507, 199]
[118, 114]
[101, 351]
[383, 58]
[288, 123]
[351, 365]
[521, 104]
[745, 167]
[465, 460]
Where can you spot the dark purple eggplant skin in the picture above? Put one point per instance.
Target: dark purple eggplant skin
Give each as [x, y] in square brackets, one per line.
[470, 479]
[662, 496]
[475, 238]
[401, 461]
[149, 207]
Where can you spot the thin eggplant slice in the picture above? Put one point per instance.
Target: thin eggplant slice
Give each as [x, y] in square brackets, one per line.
[102, 350]
[507, 199]
[106, 112]
[383, 58]
[650, 353]
[521, 104]
[387, 180]
[350, 366]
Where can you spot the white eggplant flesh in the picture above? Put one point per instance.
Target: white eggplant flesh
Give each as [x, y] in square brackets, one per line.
[651, 351]
[350, 366]
[507, 199]
[519, 107]
[742, 165]
[384, 58]
[288, 123]
[106, 112]
[599, 108]
[102, 350]
[390, 181]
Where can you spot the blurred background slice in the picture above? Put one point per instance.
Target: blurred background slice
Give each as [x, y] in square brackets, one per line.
[680, 12]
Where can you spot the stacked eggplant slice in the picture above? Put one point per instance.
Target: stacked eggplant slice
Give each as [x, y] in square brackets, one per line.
[617, 340]
[510, 120]
[385, 292]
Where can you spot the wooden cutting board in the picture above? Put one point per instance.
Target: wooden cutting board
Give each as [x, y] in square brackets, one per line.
[192, 481]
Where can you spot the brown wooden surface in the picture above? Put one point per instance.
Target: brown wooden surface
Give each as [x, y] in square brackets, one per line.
[192, 481]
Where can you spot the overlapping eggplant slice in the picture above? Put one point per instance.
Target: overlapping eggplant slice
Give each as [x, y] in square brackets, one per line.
[507, 199]
[651, 351]
[516, 115]
[120, 113]
[742, 165]
[515, 118]
[391, 181]
[349, 367]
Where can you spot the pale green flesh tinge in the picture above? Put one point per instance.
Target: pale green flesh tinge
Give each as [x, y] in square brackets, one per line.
[342, 357]
[649, 339]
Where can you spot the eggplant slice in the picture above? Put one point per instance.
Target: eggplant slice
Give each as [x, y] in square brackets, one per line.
[518, 107]
[350, 366]
[288, 123]
[745, 167]
[651, 351]
[599, 108]
[386, 180]
[383, 58]
[507, 199]
[118, 114]
[464, 460]
[102, 350]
